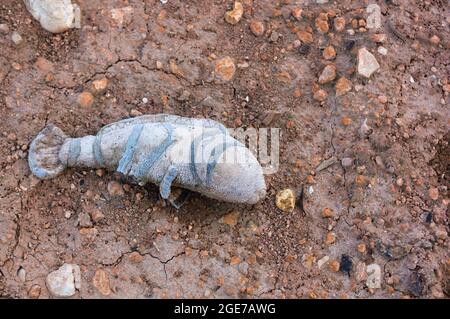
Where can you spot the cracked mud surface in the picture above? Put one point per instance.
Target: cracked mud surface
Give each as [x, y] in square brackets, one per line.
[384, 203]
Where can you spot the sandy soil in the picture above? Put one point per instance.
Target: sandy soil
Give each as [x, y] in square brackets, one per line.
[389, 204]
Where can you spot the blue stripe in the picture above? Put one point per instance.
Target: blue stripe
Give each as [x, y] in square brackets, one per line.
[125, 162]
[74, 151]
[166, 183]
[214, 157]
[143, 169]
[202, 138]
[97, 149]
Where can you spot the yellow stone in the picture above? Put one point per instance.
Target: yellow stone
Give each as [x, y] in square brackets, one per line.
[285, 200]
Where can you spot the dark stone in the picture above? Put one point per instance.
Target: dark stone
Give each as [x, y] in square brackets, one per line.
[429, 218]
[416, 284]
[304, 49]
[349, 44]
[346, 264]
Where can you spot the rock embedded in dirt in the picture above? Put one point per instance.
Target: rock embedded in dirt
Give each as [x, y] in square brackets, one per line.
[382, 50]
[327, 213]
[4, 28]
[346, 264]
[44, 65]
[225, 68]
[322, 23]
[320, 95]
[135, 257]
[85, 99]
[367, 63]
[330, 238]
[64, 281]
[347, 162]
[235, 15]
[343, 86]
[22, 274]
[328, 74]
[34, 292]
[115, 189]
[16, 38]
[433, 193]
[55, 15]
[339, 24]
[374, 16]
[322, 261]
[97, 215]
[257, 27]
[101, 282]
[334, 266]
[435, 40]
[329, 53]
[297, 13]
[100, 85]
[285, 200]
[84, 220]
[305, 37]
[230, 219]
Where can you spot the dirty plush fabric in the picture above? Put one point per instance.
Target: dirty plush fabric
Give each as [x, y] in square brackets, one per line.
[55, 15]
[195, 154]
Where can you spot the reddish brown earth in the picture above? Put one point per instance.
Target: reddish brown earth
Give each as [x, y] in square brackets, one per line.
[382, 206]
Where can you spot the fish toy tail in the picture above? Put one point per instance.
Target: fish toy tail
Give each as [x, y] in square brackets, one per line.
[44, 151]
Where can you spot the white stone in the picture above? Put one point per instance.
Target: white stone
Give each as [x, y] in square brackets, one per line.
[16, 38]
[367, 63]
[55, 15]
[322, 261]
[374, 18]
[373, 276]
[382, 50]
[64, 281]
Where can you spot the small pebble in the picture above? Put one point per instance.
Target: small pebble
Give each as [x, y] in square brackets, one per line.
[347, 162]
[225, 68]
[34, 292]
[100, 85]
[433, 193]
[330, 238]
[285, 200]
[329, 53]
[382, 50]
[327, 213]
[346, 264]
[334, 266]
[257, 28]
[97, 215]
[85, 100]
[115, 189]
[328, 74]
[16, 38]
[235, 15]
[367, 63]
[101, 282]
[63, 281]
[343, 86]
[320, 95]
[4, 28]
[339, 24]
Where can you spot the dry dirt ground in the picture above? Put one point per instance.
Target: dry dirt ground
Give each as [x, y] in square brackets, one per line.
[389, 204]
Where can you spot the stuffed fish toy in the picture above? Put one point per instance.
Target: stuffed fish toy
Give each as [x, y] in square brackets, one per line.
[55, 15]
[194, 154]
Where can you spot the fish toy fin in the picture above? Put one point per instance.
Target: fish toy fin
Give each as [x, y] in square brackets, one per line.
[166, 183]
[43, 157]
